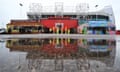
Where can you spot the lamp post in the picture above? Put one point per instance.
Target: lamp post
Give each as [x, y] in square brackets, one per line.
[20, 4]
[96, 16]
[96, 11]
[96, 20]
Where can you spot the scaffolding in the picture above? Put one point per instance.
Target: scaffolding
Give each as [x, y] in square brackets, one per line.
[82, 8]
[59, 9]
[37, 9]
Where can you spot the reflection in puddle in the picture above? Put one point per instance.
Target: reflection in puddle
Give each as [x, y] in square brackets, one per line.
[63, 55]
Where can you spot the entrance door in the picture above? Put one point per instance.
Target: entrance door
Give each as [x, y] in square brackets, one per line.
[59, 26]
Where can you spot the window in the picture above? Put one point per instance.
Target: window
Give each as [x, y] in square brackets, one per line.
[15, 27]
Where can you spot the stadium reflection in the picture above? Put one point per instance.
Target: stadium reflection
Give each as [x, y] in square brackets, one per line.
[66, 55]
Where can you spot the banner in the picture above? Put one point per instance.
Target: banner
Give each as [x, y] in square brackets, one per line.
[98, 23]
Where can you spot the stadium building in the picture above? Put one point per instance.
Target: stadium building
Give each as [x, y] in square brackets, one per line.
[59, 21]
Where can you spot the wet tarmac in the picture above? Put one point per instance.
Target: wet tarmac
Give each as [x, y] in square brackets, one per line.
[59, 55]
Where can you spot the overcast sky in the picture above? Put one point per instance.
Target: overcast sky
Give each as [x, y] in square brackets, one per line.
[10, 9]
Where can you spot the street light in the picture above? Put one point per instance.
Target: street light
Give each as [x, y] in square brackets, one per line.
[96, 16]
[20, 8]
[96, 11]
[96, 20]
[20, 4]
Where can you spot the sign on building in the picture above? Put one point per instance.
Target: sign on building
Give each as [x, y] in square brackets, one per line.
[98, 23]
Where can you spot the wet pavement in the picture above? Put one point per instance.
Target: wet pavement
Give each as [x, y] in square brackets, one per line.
[59, 55]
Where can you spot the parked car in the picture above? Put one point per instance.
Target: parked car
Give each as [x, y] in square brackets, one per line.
[118, 32]
[2, 31]
[2, 40]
